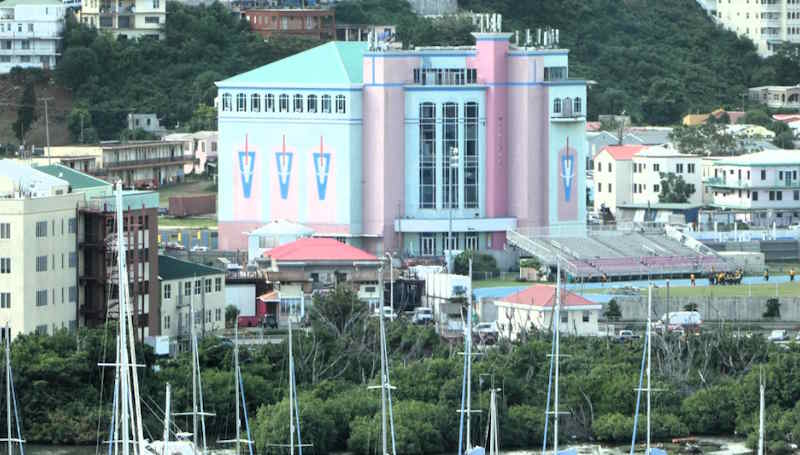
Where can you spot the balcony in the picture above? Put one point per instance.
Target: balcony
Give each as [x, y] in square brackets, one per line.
[563, 117]
[746, 184]
[136, 164]
[445, 76]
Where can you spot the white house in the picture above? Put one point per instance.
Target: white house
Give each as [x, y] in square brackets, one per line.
[763, 187]
[612, 176]
[30, 33]
[532, 309]
[649, 164]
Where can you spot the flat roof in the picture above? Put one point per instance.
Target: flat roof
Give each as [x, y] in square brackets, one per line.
[776, 157]
[77, 180]
[170, 268]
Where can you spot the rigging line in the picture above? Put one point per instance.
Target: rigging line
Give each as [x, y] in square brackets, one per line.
[16, 413]
[639, 396]
[156, 413]
[246, 421]
[463, 394]
[550, 379]
[102, 378]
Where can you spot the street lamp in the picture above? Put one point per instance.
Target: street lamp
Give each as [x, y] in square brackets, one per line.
[391, 281]
[453, 166]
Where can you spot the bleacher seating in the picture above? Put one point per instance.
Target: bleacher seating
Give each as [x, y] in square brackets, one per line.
[623, 253]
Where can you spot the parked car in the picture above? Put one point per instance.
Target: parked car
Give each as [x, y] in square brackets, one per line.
[485, 332]
[626, 335]
[778, 335]
[174, 246]
[387, 313]
[422, 315]
[163, 211]
[269, 322]
[199, 249]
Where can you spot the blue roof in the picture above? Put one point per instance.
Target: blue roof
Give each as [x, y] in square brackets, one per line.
[333, 63]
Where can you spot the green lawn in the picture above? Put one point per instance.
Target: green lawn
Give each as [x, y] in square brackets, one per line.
[188, 223]
[755, 290]
[193, 187]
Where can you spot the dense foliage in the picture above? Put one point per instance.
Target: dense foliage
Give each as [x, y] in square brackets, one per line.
[709, 382]
[171, 77]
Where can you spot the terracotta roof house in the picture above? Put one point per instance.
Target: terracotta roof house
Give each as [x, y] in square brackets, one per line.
[532, 309]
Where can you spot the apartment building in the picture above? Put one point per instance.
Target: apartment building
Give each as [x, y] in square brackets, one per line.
[650, 164]
[130, 19]
[38, 251]
[138, 164]
[776, 96]
[200, 147]
[310, 23]
[768, 23]
[613, 170]
[763, 187]
[30, 33]
[184, 285]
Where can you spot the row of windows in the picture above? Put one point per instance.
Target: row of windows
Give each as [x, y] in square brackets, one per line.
[41, 261]
[41, 227]
[429, 242]
[198, 287]
[567, 106]
[42, 329]
[637, 188]
[787, 175]
[455, 158]
[299, 103]
[41, 296]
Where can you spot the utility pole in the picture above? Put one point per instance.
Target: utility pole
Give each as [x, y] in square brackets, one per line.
[81, 127]
[47, 128]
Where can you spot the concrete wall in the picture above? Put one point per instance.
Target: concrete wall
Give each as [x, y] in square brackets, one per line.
[634, 308]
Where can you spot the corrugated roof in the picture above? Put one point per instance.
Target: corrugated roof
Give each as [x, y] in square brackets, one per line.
[333, 63]
[170, 268]
[543, 295]
[623, 152]
[318, 249]
[77, 180]
[766, 158]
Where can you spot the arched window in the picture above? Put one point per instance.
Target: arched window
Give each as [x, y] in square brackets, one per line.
[326, 104]
[298, 103]
[557, 106]
[312, 104]
[241, 102]
[226, 102]
[283, 103]
[269, 104]
[340, 104]
[578, 106]
[255, 102]
[566, 107]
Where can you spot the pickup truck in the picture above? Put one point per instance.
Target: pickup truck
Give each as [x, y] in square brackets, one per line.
[627, 335]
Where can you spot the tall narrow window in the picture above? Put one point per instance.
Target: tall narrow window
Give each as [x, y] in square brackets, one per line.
[451, 154]
[226, 102]
[283, 103]
[340, 104]
[255, 102]
[298, 103]
[471, 158]
[326, 104]
[557, 106]
[311, 102]
[241, 102]
[427, 156]
[269, 103]
[578, 105]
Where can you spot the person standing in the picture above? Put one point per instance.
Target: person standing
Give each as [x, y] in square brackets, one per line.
[766, 274]
[691, 278]
[791, 274]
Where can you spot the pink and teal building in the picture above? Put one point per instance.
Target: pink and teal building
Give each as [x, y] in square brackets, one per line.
[391, 149]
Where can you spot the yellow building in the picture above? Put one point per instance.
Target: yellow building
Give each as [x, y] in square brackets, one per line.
[132, 19]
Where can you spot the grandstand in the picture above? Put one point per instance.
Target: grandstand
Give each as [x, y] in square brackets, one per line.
[624, 251]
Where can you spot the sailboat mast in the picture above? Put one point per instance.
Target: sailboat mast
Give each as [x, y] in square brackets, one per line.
[556, 327]
[649, 326]
[468, 334]
[194, 371]
[165, 437]
[493, 445]
[291, 390]
[761, 416]
[123, 327]
[236, 378]
[8, 388]
[383, 364]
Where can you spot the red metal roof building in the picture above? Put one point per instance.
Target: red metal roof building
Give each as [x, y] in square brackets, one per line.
[623, 152]
[318, 249]
[532, 308]
[313, 23]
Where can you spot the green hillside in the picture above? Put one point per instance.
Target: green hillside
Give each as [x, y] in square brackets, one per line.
[654, 59]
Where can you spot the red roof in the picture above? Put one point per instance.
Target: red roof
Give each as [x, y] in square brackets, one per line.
[623, 152]
[543, 295]
[318, 249]
[593, 126]
[786, 118]
[272, 296]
